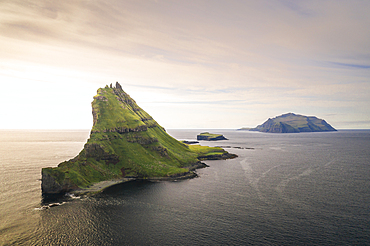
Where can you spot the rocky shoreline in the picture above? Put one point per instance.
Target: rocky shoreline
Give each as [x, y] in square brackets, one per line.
[99, 187]
[102, 185]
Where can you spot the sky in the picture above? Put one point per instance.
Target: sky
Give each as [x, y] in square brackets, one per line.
[189, 64]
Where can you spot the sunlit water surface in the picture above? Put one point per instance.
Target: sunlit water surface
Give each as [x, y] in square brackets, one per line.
[283, 189]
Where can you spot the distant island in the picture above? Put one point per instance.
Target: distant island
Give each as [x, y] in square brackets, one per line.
[293, 123]
[125, 144]
[210, 136]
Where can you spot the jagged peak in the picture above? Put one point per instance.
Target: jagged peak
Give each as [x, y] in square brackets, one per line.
[118, 86]
[117, 89]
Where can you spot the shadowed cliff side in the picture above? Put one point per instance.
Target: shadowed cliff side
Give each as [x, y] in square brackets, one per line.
[126, 142]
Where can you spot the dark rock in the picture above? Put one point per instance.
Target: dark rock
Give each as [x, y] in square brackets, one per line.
[103, 98]
[224, 156]
[51, 184]
[189, 142]
[118, 86]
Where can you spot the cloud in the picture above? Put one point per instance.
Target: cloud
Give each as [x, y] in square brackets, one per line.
[351, 65]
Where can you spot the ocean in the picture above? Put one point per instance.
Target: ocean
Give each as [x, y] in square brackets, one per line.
[283, 189]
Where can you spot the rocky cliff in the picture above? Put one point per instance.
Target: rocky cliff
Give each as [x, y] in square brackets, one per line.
[125, 142]
[294, 123]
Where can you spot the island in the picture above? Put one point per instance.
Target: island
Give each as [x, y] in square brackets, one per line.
[293, 123]
[210, 136]
[125, 144]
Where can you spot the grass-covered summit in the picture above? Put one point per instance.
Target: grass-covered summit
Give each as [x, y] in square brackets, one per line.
[293, 123]
[125, 141]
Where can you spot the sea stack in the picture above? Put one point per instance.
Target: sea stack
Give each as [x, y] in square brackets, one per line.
[125, 142]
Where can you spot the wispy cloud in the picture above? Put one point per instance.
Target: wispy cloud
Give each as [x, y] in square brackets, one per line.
[360, 66]
[300, 7]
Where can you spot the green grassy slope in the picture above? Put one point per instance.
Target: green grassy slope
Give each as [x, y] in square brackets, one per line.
[125, 141]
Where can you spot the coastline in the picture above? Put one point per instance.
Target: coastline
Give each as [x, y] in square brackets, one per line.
[102, 185]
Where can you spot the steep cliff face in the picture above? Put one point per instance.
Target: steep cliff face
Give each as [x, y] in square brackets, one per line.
[125, 141]
[293, 123]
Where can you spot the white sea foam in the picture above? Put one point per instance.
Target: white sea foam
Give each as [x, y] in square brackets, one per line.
[70, 195]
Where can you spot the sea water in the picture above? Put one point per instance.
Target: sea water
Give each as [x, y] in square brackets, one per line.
[283, 189]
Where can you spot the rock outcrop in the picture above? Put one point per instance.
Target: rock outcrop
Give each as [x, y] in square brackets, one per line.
[293, 123]
[125, 143]
[210, 136]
